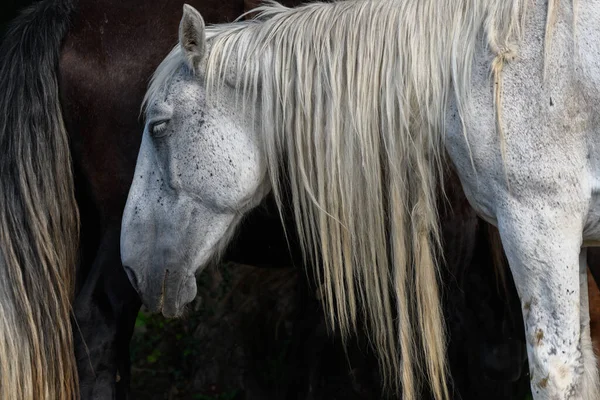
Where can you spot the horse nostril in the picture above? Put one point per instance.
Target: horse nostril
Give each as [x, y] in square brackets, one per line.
[132, 278]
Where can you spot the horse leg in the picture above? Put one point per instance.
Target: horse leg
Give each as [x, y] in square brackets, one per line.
[543, 249]
[105, 312]
[126, 304]
[94, 330]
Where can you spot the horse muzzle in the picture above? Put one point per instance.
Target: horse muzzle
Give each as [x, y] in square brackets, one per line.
[165, 291]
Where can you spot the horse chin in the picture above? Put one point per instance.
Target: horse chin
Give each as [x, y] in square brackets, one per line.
[172, 310]
[173, 299]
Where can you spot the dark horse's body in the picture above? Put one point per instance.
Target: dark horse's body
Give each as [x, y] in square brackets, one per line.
[106, 53]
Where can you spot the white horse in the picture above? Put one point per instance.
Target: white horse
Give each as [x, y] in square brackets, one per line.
[357, 105]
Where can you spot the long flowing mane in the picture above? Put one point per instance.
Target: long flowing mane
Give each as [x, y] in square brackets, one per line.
[351, 97]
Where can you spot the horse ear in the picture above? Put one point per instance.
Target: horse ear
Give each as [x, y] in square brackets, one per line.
[192, 37]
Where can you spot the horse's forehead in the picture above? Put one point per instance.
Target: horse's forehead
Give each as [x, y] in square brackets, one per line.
[183, 89]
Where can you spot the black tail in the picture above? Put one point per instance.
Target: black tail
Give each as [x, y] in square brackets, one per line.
[39, 222]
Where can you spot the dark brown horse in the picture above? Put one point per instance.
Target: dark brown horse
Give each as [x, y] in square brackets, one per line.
[72, 77]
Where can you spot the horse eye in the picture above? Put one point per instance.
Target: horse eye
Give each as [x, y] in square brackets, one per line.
[158, 128]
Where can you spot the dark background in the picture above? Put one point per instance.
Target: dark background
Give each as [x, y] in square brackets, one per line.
[9, 10]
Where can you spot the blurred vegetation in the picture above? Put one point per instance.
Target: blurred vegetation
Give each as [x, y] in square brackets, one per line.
[207, 355]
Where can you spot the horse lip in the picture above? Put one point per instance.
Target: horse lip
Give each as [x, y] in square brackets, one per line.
[167, 299]
[176, 304]
[169, 312]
